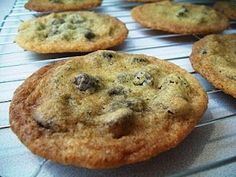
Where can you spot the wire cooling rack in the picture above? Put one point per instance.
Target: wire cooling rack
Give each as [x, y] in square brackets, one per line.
[210, 150]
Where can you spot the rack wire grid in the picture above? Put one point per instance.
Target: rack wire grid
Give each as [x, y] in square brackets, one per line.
[210, 150]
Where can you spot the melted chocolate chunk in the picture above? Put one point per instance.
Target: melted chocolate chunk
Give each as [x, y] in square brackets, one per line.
[119, 90]
[89, 35]
[182, 12]
[142, 78]
[118, 123]
[85, 82]
[107, 55]
[58, 21]
[139, 60]
[203, 52]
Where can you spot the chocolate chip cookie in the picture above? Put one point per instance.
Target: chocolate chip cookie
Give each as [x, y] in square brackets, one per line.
[180, 18]
[71, 32]
[227, 7]
[61, 5]
[106, 109]
[214, 57]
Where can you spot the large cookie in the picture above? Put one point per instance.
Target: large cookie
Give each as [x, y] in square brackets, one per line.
[227, 7]
[71, 32]
[214, 57]
[180, 18]
[106, 109]
[61, 5]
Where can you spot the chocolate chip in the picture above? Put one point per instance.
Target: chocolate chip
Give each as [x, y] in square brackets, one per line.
[203, 51]
[89, 35]
[182, 12]
[56, 1]
[142, 78]
[107, 55]
[85, 82]
[137, 105]
[118, 123]
[170, 112]
[139, 60]
[58, 21]
[119, 90]
[47, 126]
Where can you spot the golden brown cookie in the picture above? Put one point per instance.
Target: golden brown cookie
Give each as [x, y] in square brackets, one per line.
[180, 18]
[214, 57]
[227, 7]
[106, 109]
[61, 5]
[71, 32]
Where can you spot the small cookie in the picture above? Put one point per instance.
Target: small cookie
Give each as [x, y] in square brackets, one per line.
[227, 7]
[71, 32]
[180, 18]
[61, 5]
[106, 109]
[214, 57]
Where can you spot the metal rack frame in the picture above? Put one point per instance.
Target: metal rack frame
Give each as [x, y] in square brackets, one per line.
[17, 64]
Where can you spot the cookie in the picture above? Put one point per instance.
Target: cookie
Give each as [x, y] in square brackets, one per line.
[61, 5]
[180, 18]
[106, 109]
[214, 57]
[71, 32]
[227, 7]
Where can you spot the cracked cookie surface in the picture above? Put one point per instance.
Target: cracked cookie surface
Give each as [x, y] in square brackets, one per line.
[180, 18]
[214, 57]
[61, 5]
[71, 32]
[106, 109]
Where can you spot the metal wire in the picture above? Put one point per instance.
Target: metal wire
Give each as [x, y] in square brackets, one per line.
[205, 167]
